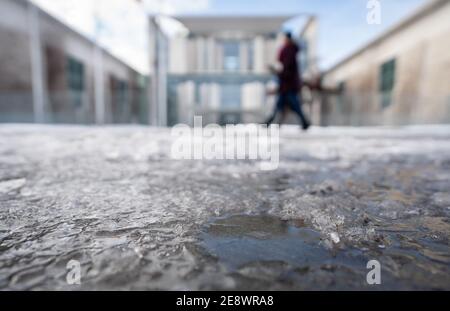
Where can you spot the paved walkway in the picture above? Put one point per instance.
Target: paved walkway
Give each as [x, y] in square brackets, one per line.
[113, 200]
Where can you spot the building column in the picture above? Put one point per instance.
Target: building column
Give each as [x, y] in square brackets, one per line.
[158, 50]
[201, 47]
[162, 79]
[243, 51]
[211, 54]
[37, 71]
[219, 57]
[259, 58]
[153, 65]
[99, 78]
[99, 85]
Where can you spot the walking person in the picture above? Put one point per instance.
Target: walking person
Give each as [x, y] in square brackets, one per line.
[289, 83]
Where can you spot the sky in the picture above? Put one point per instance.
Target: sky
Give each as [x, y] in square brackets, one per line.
[122, 28]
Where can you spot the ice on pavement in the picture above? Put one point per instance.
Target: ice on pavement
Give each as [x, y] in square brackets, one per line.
[113, 199]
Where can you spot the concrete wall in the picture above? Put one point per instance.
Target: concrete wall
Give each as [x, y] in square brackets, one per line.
[15, 69]
[57, 43]
[422, 88]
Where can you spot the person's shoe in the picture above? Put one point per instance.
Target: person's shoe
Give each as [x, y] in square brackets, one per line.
[305, 127]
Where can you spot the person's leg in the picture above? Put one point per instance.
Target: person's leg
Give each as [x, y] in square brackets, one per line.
[278, 109]
[296, 106]
[284, 114]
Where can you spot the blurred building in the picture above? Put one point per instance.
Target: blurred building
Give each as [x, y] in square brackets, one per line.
[218, 68]
[48, 73]
[402, 77]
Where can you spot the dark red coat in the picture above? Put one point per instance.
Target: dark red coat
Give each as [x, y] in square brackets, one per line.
[290, 75]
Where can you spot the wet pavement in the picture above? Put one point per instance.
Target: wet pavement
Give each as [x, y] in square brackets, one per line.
[114, 200]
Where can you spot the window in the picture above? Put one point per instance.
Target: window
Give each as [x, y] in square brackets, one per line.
[119, 99]
[342, 86]
[75, 80]
[123, 93]
[387, 82]
[231, 56]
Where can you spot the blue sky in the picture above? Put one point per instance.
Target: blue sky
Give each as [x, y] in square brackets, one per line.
[342, 23]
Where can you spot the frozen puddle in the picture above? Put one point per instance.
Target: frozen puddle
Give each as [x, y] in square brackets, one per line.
[243, 239]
